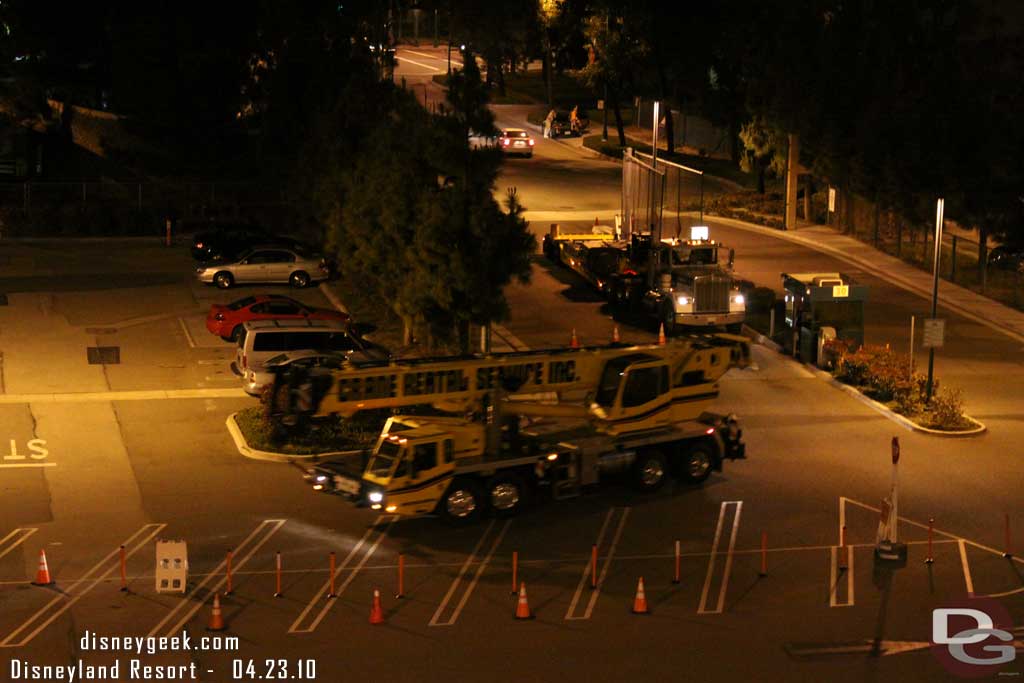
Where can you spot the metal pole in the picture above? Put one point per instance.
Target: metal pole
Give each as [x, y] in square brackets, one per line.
[771, 322]
[940, 205]
[604, 130]
[952, 273]
[654, 137]
[911, 345]
[702, 199]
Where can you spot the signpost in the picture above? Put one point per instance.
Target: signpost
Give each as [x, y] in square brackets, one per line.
[940, 205]
[934, 335]
[887, 546]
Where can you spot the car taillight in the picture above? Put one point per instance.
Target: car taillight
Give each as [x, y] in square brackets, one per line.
[199, 245]
[531, 142]
[505, 142]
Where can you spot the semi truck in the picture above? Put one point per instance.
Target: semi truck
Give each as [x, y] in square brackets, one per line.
[520, 425]
[822, 306]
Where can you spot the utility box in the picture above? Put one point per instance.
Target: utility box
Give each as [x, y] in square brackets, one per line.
[171, 566]
[823, 302]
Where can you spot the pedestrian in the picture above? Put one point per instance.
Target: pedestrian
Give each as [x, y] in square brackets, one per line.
[548, 121]
[574, 120]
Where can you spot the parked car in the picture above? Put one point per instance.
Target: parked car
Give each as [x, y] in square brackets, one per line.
[562, 126]
[226, 320]
[227, 240]
[259, 376]
[1007, 257]
[266, 264]
[261, 340]
[516, 141]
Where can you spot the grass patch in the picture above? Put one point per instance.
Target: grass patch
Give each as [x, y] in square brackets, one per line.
[322, 436]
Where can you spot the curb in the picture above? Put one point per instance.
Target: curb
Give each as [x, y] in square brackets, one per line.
[333, 298]
[759, 338]
[267, 456]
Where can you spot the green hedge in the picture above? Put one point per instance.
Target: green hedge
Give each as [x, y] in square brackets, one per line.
[321, 436]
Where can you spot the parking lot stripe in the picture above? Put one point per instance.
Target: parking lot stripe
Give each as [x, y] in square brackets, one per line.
[344, 584]
[834, 578]
[188, 335]
[28, 464]
[17, 541]
[69, 597]
[107, 396]
[967, 568]
[476, 578]
[462, 571]
[586, 569]
[720, 604]
[604, 568]
[267, 527]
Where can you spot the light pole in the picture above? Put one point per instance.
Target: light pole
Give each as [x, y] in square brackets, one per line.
[939, 207]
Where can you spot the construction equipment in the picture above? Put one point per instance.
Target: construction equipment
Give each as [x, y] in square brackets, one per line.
[590, 411]
[595, 256]
[821, 307]
[683, 284]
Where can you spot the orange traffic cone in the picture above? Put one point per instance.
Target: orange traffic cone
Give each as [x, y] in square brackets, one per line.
[661, 334]
[640, 601]
[43, 575]
[376, 612]
[523, 607]
[596, 221]
[615, 335]
[574, 343]
[217, 618]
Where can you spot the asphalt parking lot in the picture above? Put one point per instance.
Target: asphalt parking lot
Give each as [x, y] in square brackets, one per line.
[128, 470]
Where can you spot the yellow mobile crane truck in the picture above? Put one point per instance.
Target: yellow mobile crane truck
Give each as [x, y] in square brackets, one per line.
[590, 411]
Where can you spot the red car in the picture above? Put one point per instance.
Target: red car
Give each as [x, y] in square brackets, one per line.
[226, 321]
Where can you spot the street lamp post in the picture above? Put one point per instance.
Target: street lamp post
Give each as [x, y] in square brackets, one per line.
[939, 208]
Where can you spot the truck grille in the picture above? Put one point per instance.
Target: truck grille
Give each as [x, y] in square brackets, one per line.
[711, 294]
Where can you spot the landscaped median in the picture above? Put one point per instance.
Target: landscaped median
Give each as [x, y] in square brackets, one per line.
[257, 438]
[880, 374]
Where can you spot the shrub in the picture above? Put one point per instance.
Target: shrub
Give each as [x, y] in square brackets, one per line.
[947, 410]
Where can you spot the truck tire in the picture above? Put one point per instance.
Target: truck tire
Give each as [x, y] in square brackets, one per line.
[463, 502]
[650, 470]
[507, 494]
[696, 462]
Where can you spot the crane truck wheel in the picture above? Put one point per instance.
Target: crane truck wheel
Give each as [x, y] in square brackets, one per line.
[696, 463]
[507, 494]
[650, 470]
[463, 502]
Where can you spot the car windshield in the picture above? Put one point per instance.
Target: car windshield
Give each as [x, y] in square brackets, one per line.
[686, 256]
[516, 134]
[242, 303]
[384, 458]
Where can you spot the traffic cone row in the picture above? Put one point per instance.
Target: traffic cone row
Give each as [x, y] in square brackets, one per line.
[661, 334]
[43, 574]
[574, 343]
[615, 335]
[640, 600]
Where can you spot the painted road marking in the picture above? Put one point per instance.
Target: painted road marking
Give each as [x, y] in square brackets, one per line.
[968, 582]
[834, 579]
[69, 597]
[604, 567]
[16, 538]
[433, 69]
[107, 396]
[424, 54]
[512, 340]
[27, 464]
[476, 577]
[345, 584]
[267, 528]
[188, 335]
[720, 604]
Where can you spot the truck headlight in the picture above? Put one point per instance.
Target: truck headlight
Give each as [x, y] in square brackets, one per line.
[683, 300]
[738, 299]
[375, 496]
[321, 477]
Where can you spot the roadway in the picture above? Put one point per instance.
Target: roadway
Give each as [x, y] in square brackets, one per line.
[126, 472]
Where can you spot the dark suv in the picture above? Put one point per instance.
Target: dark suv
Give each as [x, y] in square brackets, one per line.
[220, 241]
[1007, 257]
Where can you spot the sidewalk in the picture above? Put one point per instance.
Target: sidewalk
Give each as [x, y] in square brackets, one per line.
[971, 305]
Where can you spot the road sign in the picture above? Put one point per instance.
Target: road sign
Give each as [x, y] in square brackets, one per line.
[171, 566]
[831, 200]
[600, 105]
[840, 291]
[934, 332]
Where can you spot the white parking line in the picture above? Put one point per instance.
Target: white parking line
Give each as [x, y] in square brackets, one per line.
[28, 464]
[268, 527]
[188, 335]
[18, 541]
[345, 584]
[604, 567]
[434, 621]
[424, 54]
[131, 547]
[968, 582]
[720, 604]
[433, 69]
[107, 396]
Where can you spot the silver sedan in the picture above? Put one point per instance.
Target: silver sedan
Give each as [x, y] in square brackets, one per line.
[257, 378]
[265, 265]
